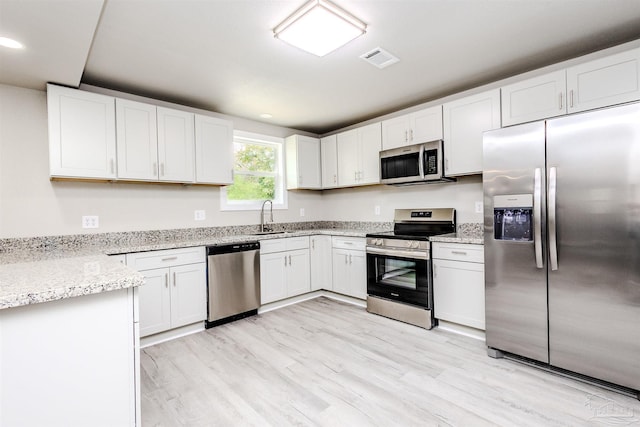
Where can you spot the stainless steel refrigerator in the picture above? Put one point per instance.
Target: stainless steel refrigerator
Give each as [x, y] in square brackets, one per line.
[562, 243]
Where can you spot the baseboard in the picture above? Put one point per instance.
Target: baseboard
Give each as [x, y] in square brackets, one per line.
[311, 295]
[171, 334]
[461, 330]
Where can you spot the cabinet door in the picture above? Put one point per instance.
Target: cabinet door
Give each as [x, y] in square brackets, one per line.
[370, 138]
[329, 161]
[464, 122]
[272, 277]
[214, 150]
[458, 292]
[188, 294]
[137, 140]
[606, 81]
[175, 145]
[426, 125]
[395, 132]
[320, 263]
[82, 137]
[347, 143]
[297, 272]
[155, 302]
[303, 162]
[358, 274]
[534, 99]
[340, 262]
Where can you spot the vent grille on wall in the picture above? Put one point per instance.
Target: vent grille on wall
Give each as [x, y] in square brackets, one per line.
[379, 58]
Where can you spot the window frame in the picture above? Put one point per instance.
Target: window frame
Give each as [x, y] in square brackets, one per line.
[281, 199]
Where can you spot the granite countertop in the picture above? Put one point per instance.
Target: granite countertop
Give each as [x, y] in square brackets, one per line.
[467, 233]
[46, 272]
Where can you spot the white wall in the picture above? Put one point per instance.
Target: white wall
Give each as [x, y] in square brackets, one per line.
[358, 204]
[32, 205]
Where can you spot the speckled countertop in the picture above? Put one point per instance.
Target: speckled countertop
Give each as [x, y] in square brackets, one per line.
[467, 233]
[42, 269]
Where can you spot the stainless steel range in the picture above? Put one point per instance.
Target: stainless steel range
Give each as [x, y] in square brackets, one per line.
[399, 278]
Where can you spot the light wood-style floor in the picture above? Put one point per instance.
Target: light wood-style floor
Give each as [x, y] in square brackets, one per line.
[327, 363]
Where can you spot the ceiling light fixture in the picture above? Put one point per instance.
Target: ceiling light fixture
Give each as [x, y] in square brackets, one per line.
[319, 27]
[10, 43]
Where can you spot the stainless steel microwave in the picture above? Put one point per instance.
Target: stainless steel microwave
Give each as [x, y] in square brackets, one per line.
[419, 163]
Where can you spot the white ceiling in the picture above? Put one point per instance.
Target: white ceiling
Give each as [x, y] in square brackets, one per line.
[220, 55]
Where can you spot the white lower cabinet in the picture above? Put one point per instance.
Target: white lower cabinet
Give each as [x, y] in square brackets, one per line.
[349, 266]
[321, 263]
[71, 362]
[458, 283]
[175, 289]
[284, 268]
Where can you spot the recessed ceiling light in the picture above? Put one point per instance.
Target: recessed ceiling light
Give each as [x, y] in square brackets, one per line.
[10, 43]
[266, 115]
[319, 27]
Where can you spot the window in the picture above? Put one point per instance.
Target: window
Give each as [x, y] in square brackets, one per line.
[257, 173]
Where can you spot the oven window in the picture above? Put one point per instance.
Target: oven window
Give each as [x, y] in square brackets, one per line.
[396, 272]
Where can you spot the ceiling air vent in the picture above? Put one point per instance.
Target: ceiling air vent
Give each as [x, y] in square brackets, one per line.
[379, 57]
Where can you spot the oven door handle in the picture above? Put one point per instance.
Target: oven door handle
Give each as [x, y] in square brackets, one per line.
[398, 253]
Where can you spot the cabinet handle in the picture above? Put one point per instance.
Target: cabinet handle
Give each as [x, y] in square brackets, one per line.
[285, 260]
[435, 271]
[458, 252]
[446, 164]
[300, 178]
[289, 260]
[166, 280]
[349, 259]
[112, 166]
[346, 259]
[335, 178]
[560, 100]
[405, 136]
[410, 134]
[571, 98]
[174, 279]
[313, 244]
[155, 169]
[171, 258]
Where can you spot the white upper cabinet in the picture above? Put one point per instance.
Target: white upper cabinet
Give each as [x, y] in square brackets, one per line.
[358, 155]
[534, 99]
[154, 143]
[421, 126]
[137, 140]
[214, 150]
[175, 145]
[329, 157]
[607, 81]
[464, 122]
[82, 138]
[303, 162]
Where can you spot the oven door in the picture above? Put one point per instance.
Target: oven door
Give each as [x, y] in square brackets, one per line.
[400, 276]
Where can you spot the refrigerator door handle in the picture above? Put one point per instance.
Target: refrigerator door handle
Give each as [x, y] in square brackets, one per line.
[537, 216]
[553, 249]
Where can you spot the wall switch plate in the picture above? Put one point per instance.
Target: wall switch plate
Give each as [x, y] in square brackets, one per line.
[301, 211]
[479, 207]
[376, 209]
[90, 221]
[199, 215]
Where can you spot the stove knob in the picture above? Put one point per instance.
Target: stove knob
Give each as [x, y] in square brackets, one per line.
[379, 242]
[415, 245]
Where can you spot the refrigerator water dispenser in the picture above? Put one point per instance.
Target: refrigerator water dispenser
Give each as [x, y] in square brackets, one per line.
[513, 217]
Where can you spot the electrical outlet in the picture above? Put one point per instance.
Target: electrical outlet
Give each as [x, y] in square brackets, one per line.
[479, 207]
[376, 209]
[90, 221]
[199, 215]
[301, 211]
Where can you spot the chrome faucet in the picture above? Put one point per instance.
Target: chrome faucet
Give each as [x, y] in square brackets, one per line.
[264, 228]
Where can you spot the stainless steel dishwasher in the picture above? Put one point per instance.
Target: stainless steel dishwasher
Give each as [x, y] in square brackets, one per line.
[233, 282]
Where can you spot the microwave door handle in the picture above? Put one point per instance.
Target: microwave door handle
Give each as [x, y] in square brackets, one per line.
[421, 162]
